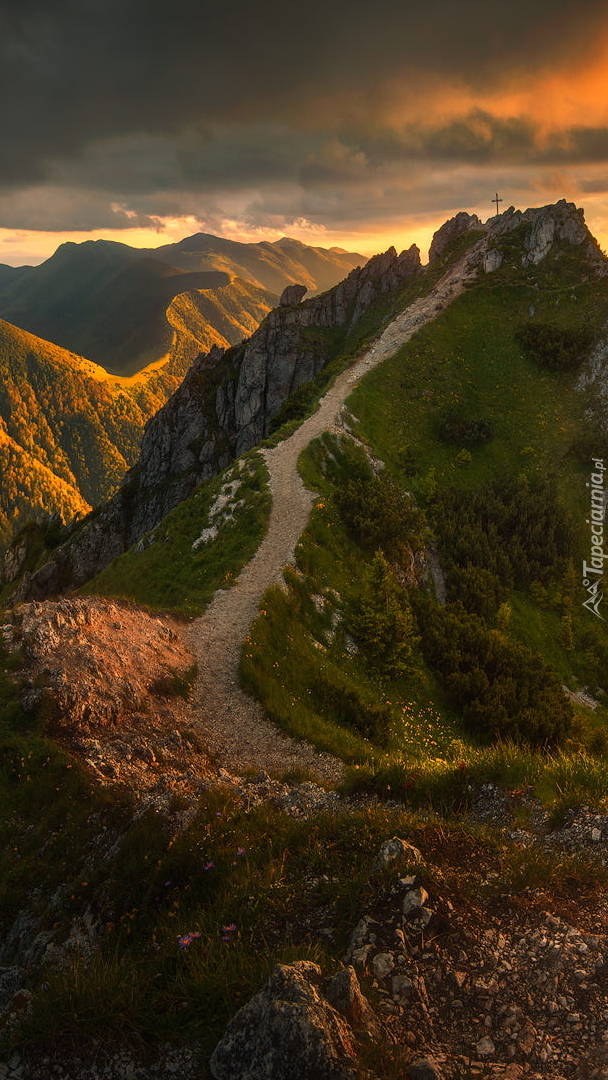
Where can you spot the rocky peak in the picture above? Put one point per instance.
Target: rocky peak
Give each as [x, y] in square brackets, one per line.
[544, 227]
[444, 236]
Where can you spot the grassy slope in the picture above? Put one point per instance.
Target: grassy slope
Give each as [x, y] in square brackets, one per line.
[169, 570]
[469, 353]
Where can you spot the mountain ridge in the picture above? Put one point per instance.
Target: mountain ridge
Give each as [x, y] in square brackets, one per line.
[107, 301]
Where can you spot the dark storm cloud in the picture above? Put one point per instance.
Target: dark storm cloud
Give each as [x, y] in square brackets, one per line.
[74, 72]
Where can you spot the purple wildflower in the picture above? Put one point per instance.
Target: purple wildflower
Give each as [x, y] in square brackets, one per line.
[187, 939]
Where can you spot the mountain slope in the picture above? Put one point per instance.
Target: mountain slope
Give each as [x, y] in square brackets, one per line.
[480, 948]
[69, 427]
[28, 485]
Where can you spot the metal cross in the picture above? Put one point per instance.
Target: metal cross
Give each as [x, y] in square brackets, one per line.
[496, 200]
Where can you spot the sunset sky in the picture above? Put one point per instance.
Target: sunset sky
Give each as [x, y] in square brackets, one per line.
[336, 123]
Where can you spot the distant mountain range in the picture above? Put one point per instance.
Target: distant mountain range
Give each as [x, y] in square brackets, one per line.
[115, 304]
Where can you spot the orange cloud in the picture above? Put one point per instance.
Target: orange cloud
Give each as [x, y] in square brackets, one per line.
[553, 100]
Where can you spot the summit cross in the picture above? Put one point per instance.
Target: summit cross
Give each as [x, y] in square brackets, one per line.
[496, 200]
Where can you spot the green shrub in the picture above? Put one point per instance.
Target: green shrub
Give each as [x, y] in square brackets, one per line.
[556, 348]
[466, 432]
[381, 621]
[377, 511]
[503, 690]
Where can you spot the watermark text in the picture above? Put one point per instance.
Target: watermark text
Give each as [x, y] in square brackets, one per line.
[594, 569]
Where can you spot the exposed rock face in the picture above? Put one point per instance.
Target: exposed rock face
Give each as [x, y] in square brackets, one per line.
[546, 226]
[93, 664]
[13, 561]
[289, 1024]
[292, 294]
[442, 239]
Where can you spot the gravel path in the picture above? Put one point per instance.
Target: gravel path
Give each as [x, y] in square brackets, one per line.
[234, 726]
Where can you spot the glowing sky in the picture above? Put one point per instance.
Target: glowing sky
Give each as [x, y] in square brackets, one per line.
[338, 124]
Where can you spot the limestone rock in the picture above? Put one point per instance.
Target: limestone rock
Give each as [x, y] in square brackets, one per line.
[485, 1047]
[444, 236]
[492, 260]
[413, 902]
[343, 993]
[292, 294]
[545, 226]
[382, 965]
[395, 850]
[287, 1026]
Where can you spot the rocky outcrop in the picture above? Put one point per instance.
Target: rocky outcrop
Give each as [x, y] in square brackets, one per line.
[290, 1023]
[92, 665]
[449, 232]
[292, 294]
[290, 348]
[542, 228]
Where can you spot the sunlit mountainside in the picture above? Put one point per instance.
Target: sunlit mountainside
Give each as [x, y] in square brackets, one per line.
[69, 430]
[108, 301]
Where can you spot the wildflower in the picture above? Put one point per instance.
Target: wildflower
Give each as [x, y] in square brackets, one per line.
[240, 850]
[209, 866]
[186, 939]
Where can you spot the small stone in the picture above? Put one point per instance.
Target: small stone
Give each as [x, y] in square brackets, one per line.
[596, 835]
[393, 850]
[401, 986]
[424, 1069]
[413, 902]
[382, 965]
[485, 1046]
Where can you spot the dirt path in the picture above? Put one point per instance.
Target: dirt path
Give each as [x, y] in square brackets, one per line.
[234, 726]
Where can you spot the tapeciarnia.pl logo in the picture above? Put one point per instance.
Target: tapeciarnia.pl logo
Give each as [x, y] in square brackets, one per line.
[593, 571]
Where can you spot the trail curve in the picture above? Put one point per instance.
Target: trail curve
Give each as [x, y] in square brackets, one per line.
[233, 725]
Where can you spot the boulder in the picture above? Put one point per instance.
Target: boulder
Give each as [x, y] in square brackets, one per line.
[448, 232]
[292, 294]
[288, 1026]
[395, 850]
